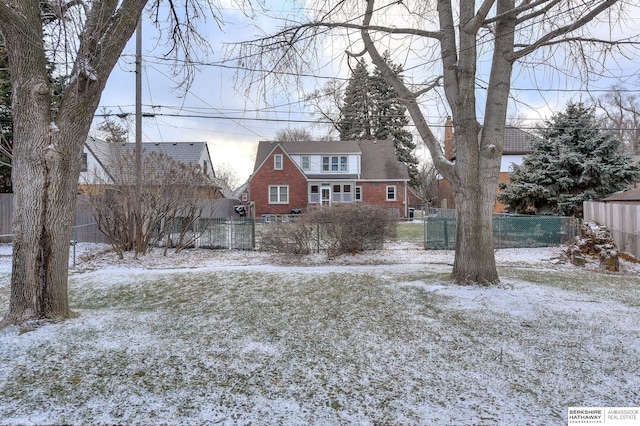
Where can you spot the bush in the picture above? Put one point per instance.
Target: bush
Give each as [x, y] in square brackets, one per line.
[353, 228]
[342, 229]
[286, 238]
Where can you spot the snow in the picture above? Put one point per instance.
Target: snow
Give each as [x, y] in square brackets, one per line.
[229, 337]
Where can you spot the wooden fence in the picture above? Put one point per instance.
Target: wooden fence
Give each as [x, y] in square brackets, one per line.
[623, 220]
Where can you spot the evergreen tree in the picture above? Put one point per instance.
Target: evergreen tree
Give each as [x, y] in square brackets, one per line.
[572, 161]
[390, 119]
[355, 114]
[371, 111]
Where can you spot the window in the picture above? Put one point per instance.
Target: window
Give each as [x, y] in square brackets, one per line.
[313, 195]
[305, 163]
[277, 162]
[279, 194]
[346, 193]
[358, 193]
[337, 193]
[391, 193]
[335, 164]
[84, 166]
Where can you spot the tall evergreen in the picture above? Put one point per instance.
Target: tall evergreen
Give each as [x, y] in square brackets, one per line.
[572, 161]
[390, 119]
[355, 114]
[371, 110]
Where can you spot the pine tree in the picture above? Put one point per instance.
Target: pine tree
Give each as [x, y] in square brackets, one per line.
[390, 119]
[572, 161]
[355, 114]
[371, 110]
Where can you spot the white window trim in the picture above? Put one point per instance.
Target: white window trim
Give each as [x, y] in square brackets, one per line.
[279, 193]
[308, 161]
[395, 193]
[357, 193]
[275, 161]
[338, 164]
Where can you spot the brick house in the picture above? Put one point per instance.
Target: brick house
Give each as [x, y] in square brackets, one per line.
[517, 144]
[291, 177]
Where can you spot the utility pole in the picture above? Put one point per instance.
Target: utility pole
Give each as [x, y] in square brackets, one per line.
[138, 151]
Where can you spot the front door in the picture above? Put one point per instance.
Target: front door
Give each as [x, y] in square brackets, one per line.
[325, 196]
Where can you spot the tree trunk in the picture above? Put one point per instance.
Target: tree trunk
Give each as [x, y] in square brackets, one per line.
[474, 198]
[47, 148]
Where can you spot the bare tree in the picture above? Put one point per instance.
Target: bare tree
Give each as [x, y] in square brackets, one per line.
[427, 188]
[172, 198]
[327, 103]
[226, 178]
[456, 44]
[84, 39]
[619, 111]
[292, 135]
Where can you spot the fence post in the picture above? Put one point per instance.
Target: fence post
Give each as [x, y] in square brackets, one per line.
[446, 233]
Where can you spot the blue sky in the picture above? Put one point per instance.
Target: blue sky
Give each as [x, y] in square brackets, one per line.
[213, 111]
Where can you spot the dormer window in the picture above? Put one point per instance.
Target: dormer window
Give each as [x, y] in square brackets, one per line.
[335, 164]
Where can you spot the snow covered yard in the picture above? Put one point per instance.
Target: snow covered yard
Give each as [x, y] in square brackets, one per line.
[207, 337]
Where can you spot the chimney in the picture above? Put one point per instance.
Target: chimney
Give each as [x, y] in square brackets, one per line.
[449, 149]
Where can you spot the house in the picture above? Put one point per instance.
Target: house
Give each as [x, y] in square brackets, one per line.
[517, 144]
[291, 177]
[103, 160]
[631, 196]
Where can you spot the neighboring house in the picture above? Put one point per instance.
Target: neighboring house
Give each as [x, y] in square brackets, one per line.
[101, 163]
[291, 177]
[517, 144]
[631, 196]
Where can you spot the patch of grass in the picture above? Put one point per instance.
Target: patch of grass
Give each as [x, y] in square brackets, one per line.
[325, 345]
[621, 288]
[412, 232]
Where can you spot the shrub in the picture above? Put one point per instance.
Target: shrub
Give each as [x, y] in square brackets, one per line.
[342, 229]
[286, 238]
[353, 228]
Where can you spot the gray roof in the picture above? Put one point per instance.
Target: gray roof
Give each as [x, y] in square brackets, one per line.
[184, 152]
[305, 147]
[627, 196]
[379, 161]
[517, 141]
[378, 158]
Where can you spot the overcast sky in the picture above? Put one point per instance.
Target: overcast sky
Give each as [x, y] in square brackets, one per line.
[214, 112]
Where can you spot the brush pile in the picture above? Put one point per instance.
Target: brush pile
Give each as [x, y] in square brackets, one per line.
[595, 242]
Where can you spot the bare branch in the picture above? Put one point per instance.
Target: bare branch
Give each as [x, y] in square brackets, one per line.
[549, 37]
[479, 19]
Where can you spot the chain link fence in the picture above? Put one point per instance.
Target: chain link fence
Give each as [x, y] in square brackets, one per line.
[508, 231]
[213, 233]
